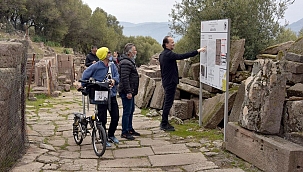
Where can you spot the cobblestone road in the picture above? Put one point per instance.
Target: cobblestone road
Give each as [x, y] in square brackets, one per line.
[52, 147]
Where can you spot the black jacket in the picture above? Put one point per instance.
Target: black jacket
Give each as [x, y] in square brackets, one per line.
[90, 57]
[168, 65]
[129, 77]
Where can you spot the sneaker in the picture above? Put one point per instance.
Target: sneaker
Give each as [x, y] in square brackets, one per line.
[108, 144]
[113, 139]
[167, 127]
[127, 136]
[134, 133]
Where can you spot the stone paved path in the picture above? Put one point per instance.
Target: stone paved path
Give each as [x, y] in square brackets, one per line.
[52, 147]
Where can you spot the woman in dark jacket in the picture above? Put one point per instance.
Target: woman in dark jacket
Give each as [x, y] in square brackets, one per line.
[128, 89]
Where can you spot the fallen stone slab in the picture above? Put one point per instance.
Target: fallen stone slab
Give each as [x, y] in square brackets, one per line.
[158, 97]
[190, 82]
[292, 119]
[297, 46]
[236, 53]
[213, 109]
[293, 67]
[276, 48]
[193, 90]
[263, 103]
[236, 109]
[195, 71]
[269, 153]
[296, 90]
[296, 137]
[294, 57]
[182, 109]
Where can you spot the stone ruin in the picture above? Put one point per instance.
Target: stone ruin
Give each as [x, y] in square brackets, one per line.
[265, 103]
[12, 101]
[54, 73]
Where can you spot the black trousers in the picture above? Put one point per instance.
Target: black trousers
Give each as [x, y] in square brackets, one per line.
[169, 97]
[114, 114]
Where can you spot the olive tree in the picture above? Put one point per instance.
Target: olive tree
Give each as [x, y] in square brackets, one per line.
[257, 21]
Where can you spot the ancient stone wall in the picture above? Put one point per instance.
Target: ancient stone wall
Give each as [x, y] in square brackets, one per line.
[12, 102]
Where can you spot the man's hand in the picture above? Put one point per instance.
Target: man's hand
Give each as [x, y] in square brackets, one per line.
[129, 95]
[203, 49]
[94, 62]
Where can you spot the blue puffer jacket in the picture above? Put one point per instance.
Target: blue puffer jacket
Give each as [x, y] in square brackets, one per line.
[99, 71]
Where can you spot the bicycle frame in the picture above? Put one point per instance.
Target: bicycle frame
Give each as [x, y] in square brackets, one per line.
[81, 121]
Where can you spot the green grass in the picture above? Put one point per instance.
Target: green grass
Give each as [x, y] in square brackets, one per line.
[64, 147]
[45, 140]
[65, 116]
[192, 128]
[39, 103]
[144, 111]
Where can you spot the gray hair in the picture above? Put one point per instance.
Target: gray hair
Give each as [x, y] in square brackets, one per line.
[128, 47]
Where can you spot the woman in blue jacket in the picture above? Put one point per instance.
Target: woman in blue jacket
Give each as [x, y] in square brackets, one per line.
[99, 71]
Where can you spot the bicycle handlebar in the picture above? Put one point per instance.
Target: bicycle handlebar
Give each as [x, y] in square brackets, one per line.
[93, 81]
[90, 81]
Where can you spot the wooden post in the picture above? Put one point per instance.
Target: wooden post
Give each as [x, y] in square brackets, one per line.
[47, 79]
[51, 84]
[31, 75]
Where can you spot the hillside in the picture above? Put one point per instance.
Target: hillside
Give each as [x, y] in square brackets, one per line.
[296, 26]
[156, 30]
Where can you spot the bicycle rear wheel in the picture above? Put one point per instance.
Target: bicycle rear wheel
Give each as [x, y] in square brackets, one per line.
[99, 140]
[77, 131]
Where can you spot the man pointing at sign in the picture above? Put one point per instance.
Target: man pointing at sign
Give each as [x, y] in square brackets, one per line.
[170, 76]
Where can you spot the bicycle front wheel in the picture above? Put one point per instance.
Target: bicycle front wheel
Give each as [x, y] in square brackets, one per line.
[99, 140]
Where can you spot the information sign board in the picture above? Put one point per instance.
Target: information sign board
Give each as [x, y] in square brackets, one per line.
[214, 62]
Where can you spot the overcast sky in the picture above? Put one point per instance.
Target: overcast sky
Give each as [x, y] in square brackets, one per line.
[140, 11]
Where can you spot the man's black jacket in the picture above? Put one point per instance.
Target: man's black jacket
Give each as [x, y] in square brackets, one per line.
[168, 65]
[129, 77]
[90, 57]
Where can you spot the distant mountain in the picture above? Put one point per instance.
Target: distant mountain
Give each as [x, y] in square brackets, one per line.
[156, 30]
[296, 26]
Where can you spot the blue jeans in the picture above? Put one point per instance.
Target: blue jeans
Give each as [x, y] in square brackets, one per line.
[128, 112]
